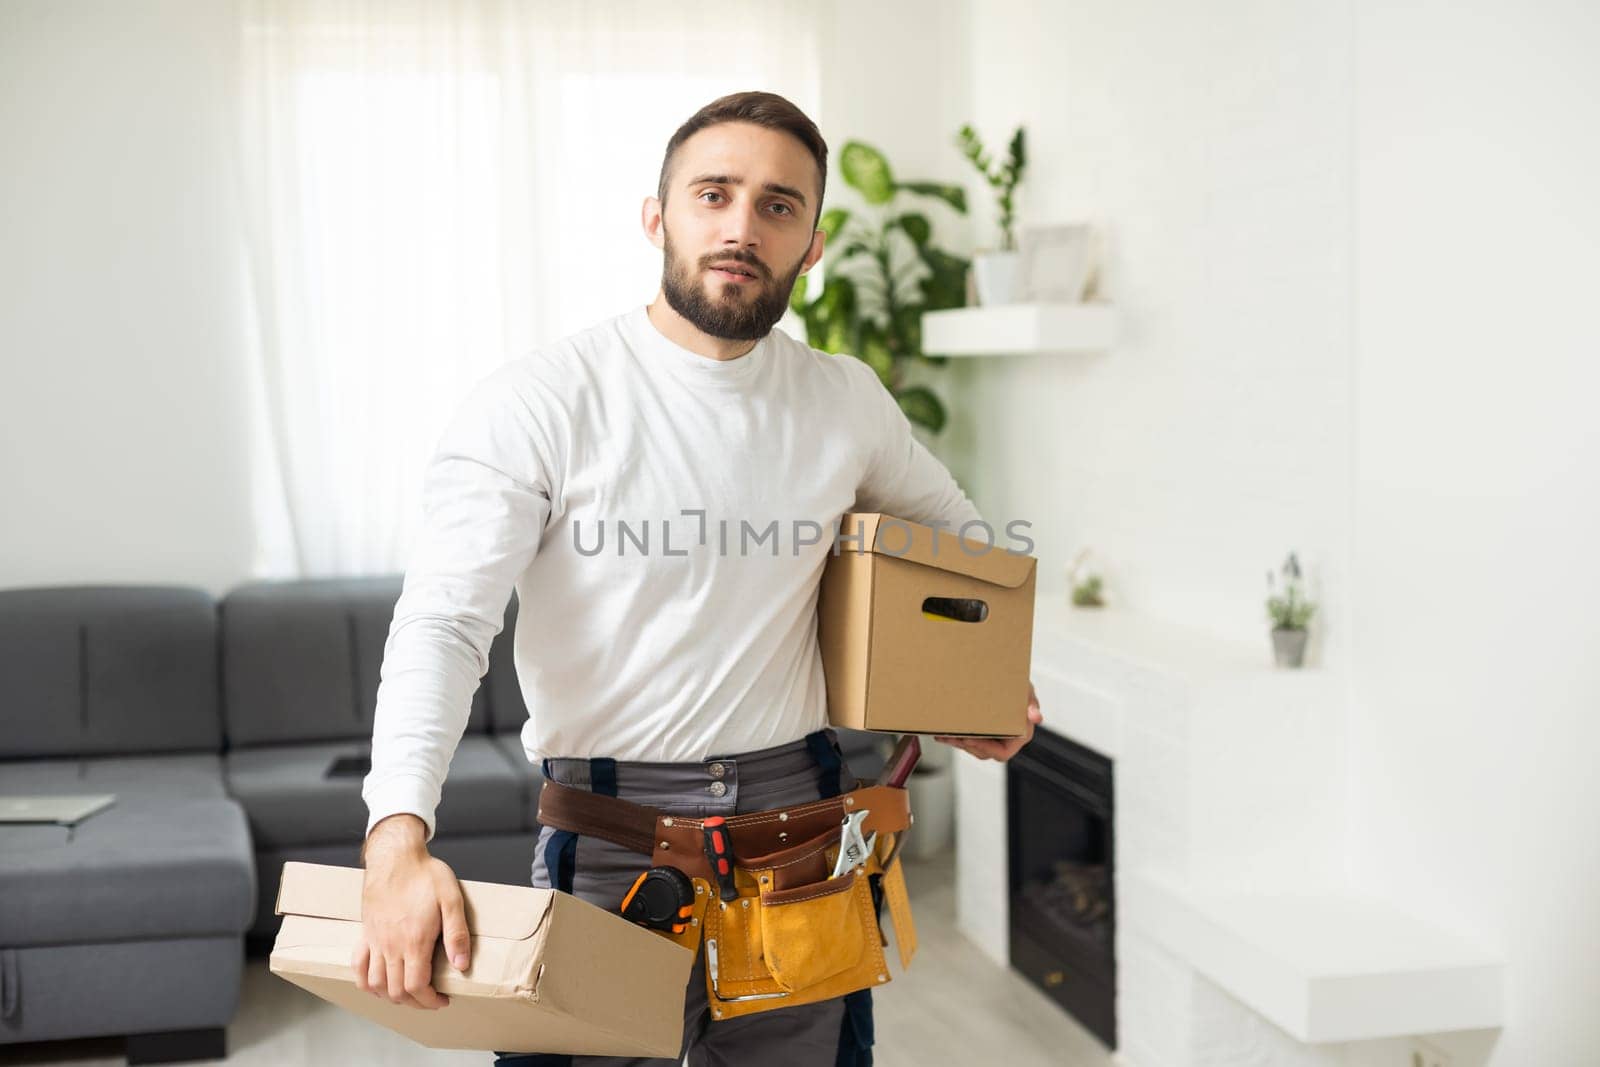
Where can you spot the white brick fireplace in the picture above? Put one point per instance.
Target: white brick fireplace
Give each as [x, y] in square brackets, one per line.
[1238, 941]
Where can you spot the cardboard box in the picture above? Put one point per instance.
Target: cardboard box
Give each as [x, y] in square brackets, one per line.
[549, 972]
[924, 633]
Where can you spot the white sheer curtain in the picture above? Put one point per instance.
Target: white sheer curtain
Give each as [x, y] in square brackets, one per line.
[432, 188]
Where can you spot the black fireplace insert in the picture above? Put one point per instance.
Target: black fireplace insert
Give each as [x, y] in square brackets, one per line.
[1062, 886]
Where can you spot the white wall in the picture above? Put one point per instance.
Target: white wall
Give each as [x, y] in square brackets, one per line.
[1354, 246]
[122, 451]
[898, 74]
[1211, 141]
[1476, 714]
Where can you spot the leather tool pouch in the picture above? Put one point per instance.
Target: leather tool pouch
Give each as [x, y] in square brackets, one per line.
[793, 935]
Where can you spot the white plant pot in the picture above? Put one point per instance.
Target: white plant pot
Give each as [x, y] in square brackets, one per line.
[933, 810]
[995, 274]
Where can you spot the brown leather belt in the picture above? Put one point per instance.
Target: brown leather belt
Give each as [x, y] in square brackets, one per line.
[677, 841]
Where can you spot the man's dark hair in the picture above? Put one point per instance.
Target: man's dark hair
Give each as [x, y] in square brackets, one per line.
[761, 109]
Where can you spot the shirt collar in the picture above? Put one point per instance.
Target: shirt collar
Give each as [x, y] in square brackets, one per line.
[699, 370]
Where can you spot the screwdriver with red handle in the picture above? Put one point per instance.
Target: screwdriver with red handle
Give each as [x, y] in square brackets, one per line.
[896, 773]
[901, 761]
[719, 850]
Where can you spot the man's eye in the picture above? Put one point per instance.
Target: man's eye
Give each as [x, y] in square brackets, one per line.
[709, 192]
[785, 207]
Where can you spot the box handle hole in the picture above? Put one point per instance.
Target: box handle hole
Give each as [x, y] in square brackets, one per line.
[959, 609]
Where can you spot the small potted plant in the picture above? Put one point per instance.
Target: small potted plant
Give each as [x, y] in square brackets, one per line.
[995, 273]
[1085, 582]
[1289, 611]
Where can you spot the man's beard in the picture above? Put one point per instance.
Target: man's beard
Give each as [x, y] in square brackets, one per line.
[732, 316]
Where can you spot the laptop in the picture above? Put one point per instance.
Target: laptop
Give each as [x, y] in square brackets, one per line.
[62, 810]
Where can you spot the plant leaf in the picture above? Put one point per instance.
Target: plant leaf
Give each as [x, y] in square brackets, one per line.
[922, 407]
[954, 195]
[866, 171]
[874, 352]
[797, 295]
[946, 287]
[971, 146]
[832, 221]
[1019, 157]
[908, 325]
[916, 227]
[836, 316]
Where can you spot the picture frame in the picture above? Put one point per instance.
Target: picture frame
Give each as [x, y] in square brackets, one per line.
[1056, 263]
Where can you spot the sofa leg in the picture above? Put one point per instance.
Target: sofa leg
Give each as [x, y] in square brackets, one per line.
[178, 1046]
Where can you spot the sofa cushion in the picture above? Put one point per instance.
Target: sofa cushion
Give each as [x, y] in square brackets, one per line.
[171, 858]
[291, 801]
[102, 670]
[182, 777]
[510, 746]
[302, 660]
[507, 711]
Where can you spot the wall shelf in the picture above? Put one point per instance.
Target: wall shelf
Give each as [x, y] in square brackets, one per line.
[1325, 967]
[1018, 329]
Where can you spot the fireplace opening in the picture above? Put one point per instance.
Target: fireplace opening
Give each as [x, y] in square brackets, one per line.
[1062, 886]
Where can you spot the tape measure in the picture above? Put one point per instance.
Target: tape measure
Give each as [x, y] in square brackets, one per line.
[661, 898]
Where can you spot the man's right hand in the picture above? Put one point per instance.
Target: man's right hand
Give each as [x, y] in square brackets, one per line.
[408, 900]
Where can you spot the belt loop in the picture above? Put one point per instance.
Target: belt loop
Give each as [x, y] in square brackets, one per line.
[827, 758]
[603, 776]
[561, 859]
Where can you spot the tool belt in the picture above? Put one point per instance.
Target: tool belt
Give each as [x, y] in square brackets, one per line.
[792, 935]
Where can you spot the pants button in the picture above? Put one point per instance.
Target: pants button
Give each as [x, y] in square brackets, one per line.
[716, 789]
[717, 770]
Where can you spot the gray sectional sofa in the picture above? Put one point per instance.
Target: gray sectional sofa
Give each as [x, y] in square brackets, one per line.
[215, 724]
[130, 922]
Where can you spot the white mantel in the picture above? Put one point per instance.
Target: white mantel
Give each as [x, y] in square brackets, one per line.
[1233, 912]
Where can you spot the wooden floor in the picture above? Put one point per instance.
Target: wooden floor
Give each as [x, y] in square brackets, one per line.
[954, 1006]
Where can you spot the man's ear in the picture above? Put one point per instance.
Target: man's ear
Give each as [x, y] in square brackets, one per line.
[818, 239]
[650, 220]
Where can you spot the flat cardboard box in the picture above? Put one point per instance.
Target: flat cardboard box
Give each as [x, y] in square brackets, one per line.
[922, 634]
[549, 972]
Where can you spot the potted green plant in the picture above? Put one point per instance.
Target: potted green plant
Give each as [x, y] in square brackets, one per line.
[1086, 583]
[882, 270]
[995, 272]
[1290, 613]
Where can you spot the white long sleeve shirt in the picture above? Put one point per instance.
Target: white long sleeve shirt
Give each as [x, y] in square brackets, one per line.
[688, 630]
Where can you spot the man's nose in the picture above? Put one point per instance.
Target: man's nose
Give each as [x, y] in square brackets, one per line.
[741, 228]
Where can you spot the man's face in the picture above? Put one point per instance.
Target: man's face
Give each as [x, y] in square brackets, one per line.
[742, 197]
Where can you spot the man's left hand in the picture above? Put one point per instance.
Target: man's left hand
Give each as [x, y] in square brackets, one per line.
[999, 748]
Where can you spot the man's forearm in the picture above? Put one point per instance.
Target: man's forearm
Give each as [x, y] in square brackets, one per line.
[401, 833]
